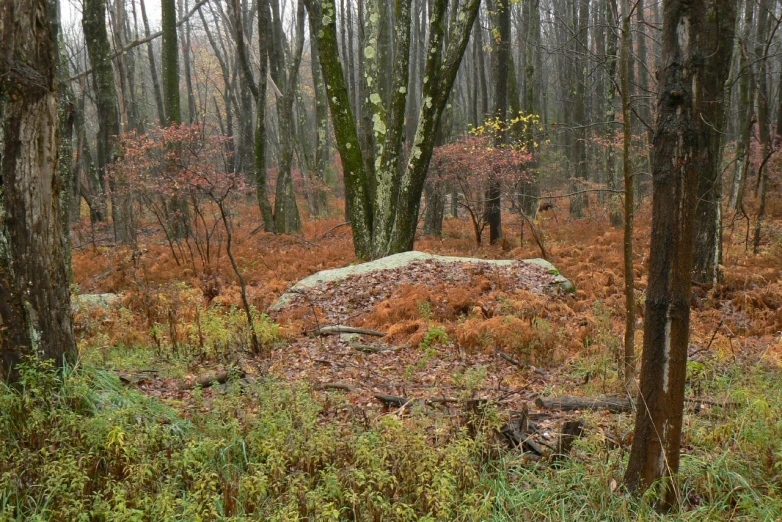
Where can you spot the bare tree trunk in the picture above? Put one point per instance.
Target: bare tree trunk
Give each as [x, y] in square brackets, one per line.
[184, 37]
[657, 440]
[643, 89]
[259, 93]
[434, 191]
[94, 25]
[35, 319]
[746, 109]
[579, 160]
[529, 190]
[764, 131]
[286, 211]
[440, 71]
[712, 119]
[612, 16]
[161, 114]
[321, 129]
[180, 210]
[627, 169]
[170, 63]
[481, 55]
[502, 68]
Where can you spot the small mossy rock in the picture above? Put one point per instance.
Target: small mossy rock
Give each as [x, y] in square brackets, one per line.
[103, 301]
[402, 260]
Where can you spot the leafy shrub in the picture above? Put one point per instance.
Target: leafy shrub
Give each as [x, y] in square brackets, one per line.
[79, 447]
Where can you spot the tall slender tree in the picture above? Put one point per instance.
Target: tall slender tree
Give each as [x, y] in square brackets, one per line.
[657, 440]
[170, 63]
[502, 68]
[579, 145]
[258, 90]
[286, 212]
[712, 118]
[384, 195]
[103, 83]
[629, 199]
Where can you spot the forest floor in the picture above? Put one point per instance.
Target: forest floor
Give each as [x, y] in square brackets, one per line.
[440, 320]
[456, 337]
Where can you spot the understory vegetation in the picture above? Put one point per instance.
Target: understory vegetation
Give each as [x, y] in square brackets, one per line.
[81, 446]
[127, 434]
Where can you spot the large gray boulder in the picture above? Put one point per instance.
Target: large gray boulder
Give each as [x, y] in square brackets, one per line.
[402, 260]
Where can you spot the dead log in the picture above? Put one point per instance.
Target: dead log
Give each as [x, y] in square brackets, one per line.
[512, 360]
[209, 380]
[342, 329]
[394, 401]
[517, 433]
[571, 430]
[612, 404]
[566, 403]
[336, 386]
[371, 348]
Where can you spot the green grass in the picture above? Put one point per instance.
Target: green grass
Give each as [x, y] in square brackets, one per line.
[78, 445]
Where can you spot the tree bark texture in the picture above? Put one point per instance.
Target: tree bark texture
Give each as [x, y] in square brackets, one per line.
[170, 61]
[657, 440]
[502, 68]
[35, 312]
[96, 35]
[579, 158]
[286, 211]
[629, 203]
[717, 42]
[385, 222]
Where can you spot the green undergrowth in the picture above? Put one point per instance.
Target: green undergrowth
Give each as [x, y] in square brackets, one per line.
[78, 445]
[202, 335]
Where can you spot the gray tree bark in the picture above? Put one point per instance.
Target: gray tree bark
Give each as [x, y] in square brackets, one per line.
[388, 225]
[712, 118]
[35, 312]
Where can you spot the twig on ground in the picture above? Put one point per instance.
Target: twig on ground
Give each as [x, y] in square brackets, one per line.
[340, 329]
[511, 360]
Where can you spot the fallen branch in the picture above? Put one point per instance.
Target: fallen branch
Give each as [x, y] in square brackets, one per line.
[398, 402]
[612, 404]
[340, 329]
[370, 348]
[336, 386]
[512, 360]
[332, 229]
[518, 433]
[209, 380]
